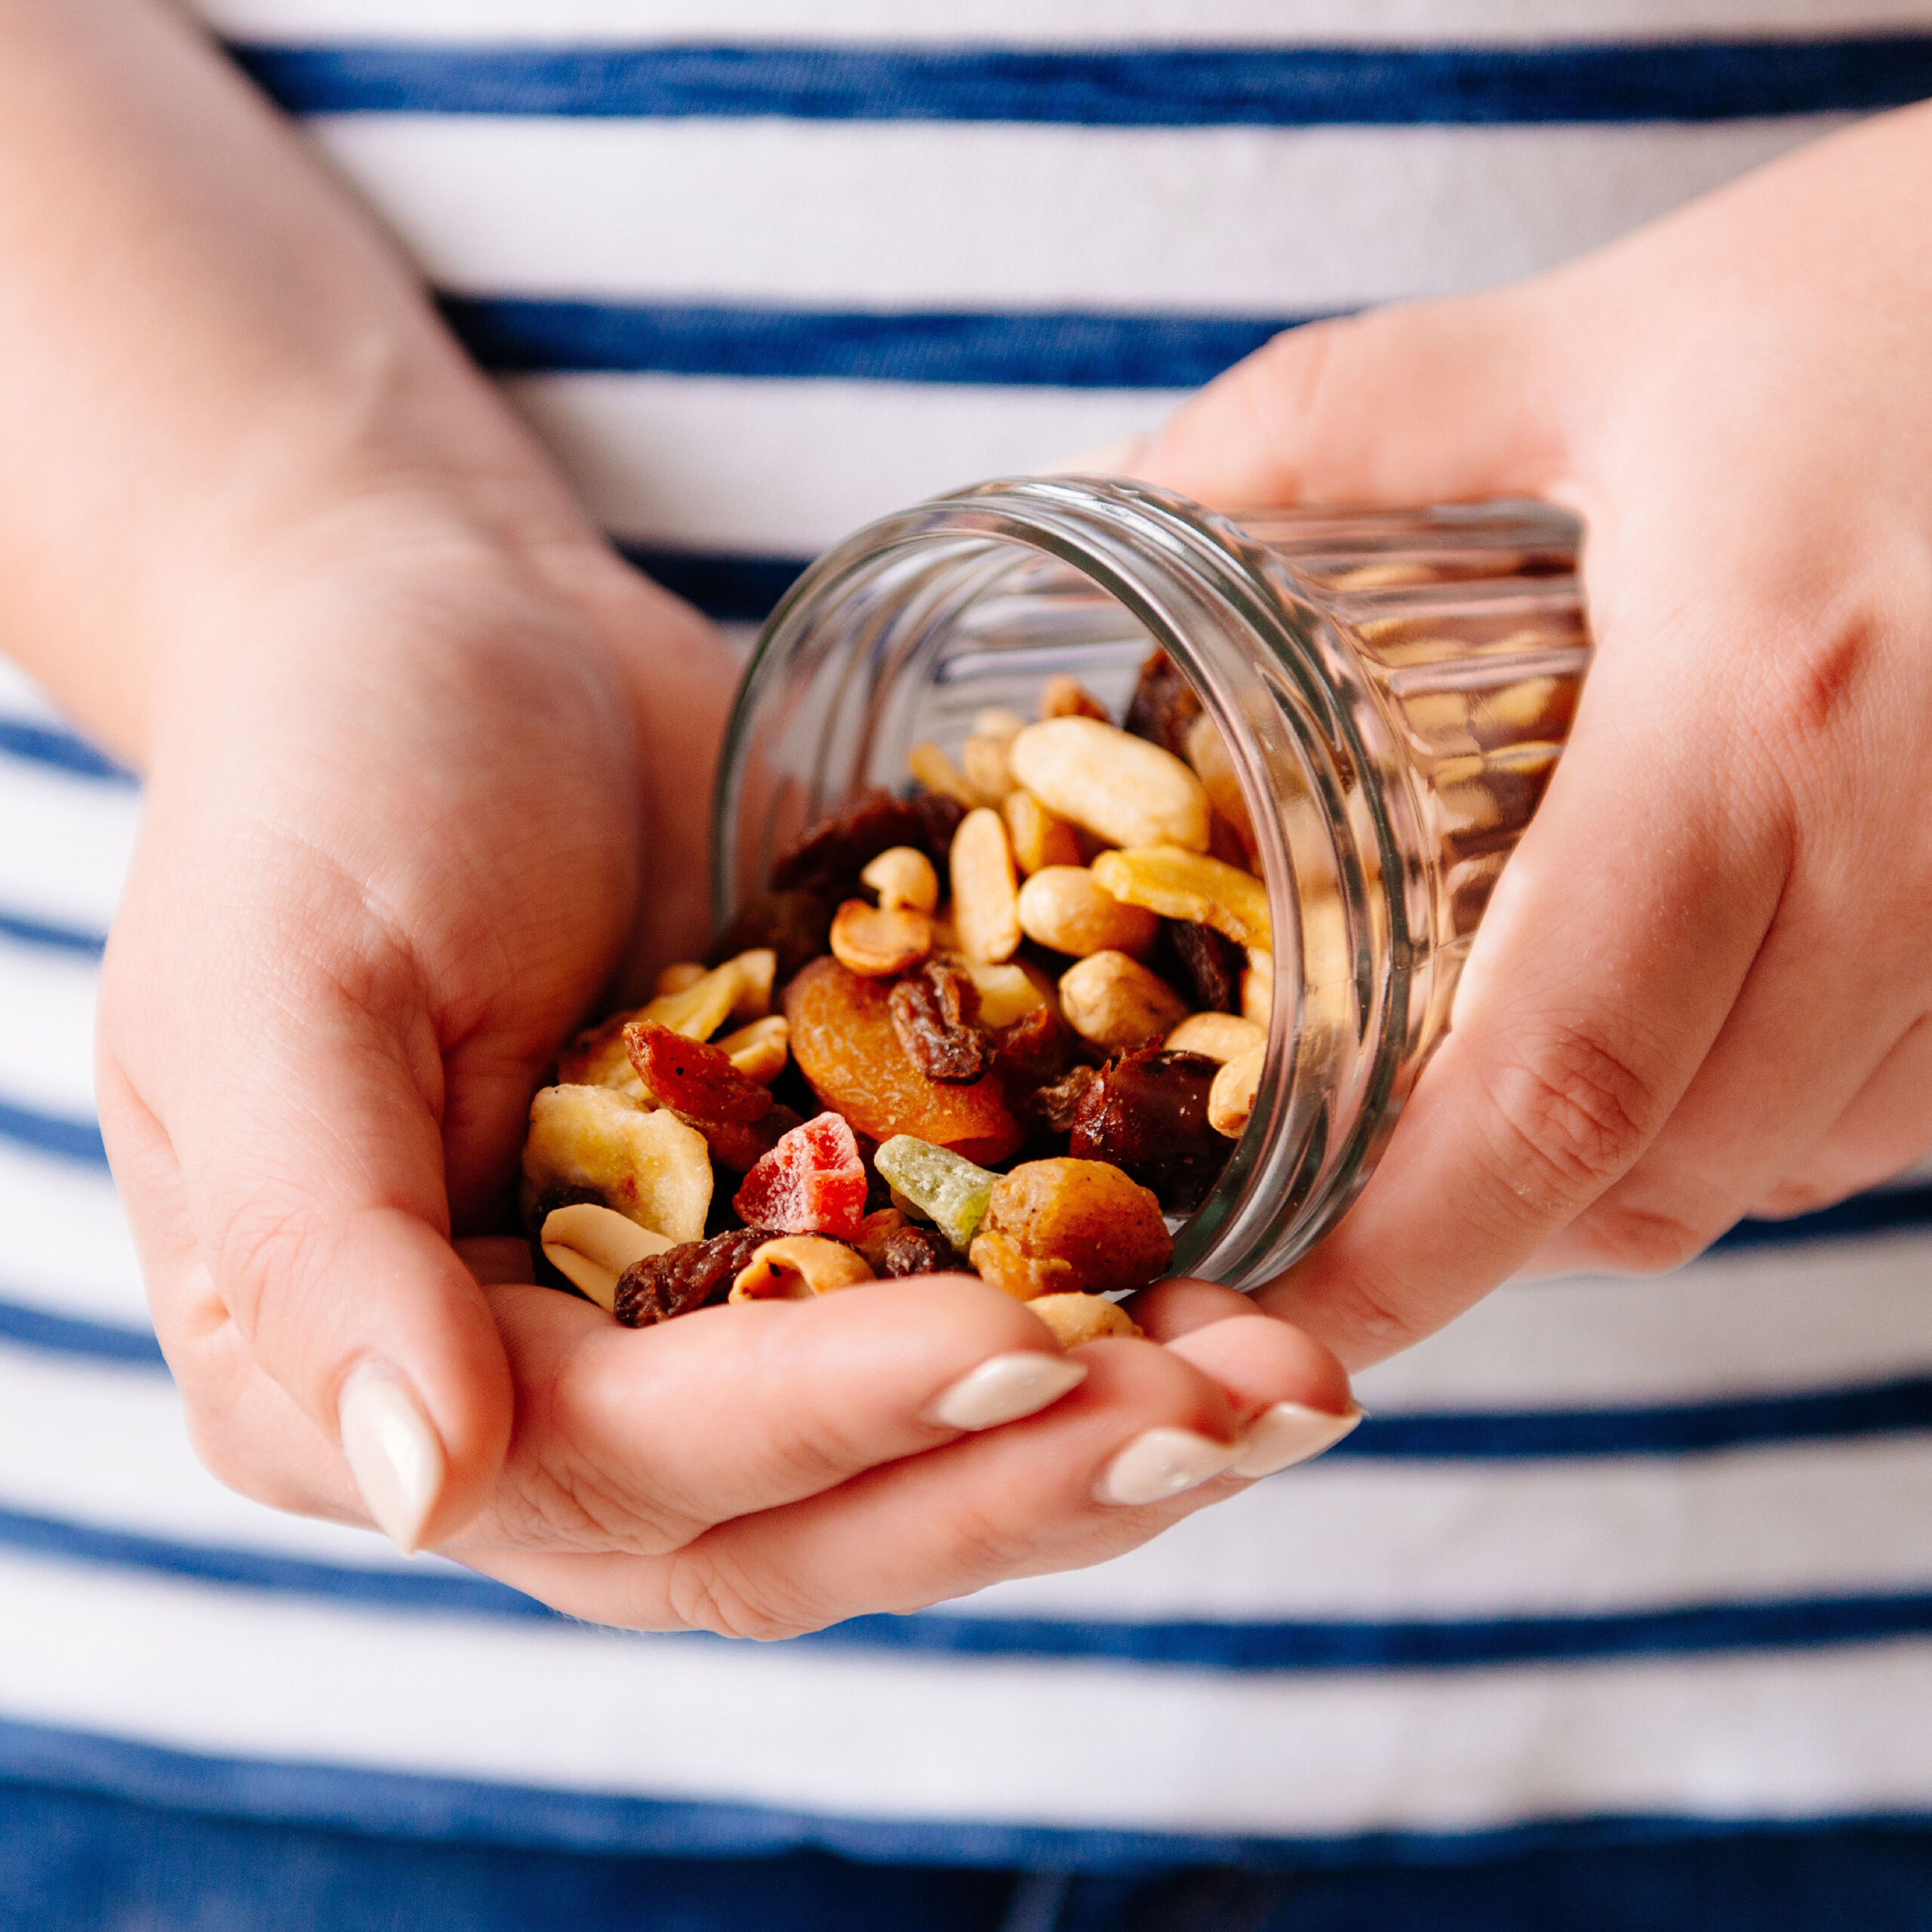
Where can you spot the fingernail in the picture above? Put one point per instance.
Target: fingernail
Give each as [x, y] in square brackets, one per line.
[1287, 1434]
[1005, 1388]
[1113, 459]
[1162, 1463]
[394, 1453]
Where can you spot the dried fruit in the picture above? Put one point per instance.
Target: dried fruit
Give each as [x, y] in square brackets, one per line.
[1065, 1225]
[1039, 839]
[591, 1246]
[879, 943]
[699, 1083]
[812, 1182]
[1221, 1036]
[951, 1193]
[684, 1278]
[1203, 962]
[1114, 1003]
[1031, 1052]
[830, 856]
[648, 1164]
[904, 879]
[792, 924]
[1123, 789]
[1163, 706]
[844, 1043]
[1066, 908]
[1182, 884]
[935, 1013]
[1078, 1318]
[1055, 1106]
[985, 895]
[917, 1251]
[1062, 697]
[1147, 1113]
[797, 1267]
[597, 1058]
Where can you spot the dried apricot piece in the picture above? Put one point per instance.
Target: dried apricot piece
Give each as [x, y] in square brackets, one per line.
[811, 1182]
[1072, 1225]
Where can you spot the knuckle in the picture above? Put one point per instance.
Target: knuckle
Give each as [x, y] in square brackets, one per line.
[707, 1592]
[1633, 1240]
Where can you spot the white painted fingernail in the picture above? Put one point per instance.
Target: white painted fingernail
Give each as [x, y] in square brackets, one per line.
[1163, 1462]
[394, 1453]
[1005, 1388]
[1113, 459]
[1287, 1434]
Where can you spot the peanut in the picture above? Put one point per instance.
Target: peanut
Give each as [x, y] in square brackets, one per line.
[797, 1268]
[932, 768]
[1189, 885]
[904, 879]
[996, 721]
[1063, 696]
[1127, 791]
[1066, 908]
[1078, 1318]
[759, 1050]
[1257, 987]
[738, 989]
[878, 943]
[1117, 1004]
[1207, 753]
[645, 1164]
[1039, 839]
[1007, 993]
[1231, 1099]
[1222, 1036]
[985, 896]
[984, 762]
[590, 1247]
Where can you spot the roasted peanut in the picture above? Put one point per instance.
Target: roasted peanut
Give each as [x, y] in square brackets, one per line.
[1231, 1099]
[996, 721]
[590, 1247]
[904, 879]
[1007, 993]
[797, 1267]
[1207, 753]
[932, 768]
[983, 761]
[1124, 789]
[1063, 696]
[1188, 885]
[1115, 1003]
[1078, 1318]
[1066, 908]
[759, 1051]
[1221, 1036]
[878, 943]
[646, 1164]
[985, 896]
[1257, 987]
[1039, 839]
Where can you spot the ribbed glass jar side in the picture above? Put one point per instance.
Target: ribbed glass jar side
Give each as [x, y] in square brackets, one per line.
[1298, 634]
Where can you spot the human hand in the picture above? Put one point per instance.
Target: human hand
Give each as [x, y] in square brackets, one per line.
[1703, 987]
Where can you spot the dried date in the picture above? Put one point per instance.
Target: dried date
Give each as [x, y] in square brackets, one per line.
[1163, 706]
[935, 1013]
[685, 1278]
[1147, 1113]
[1056, 1107]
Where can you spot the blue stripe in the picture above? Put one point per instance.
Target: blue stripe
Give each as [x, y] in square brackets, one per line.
[52, 1134]
[1463, 1644]
[1887, 1210]
[1060, 348]
[729, 589]
[1269, 87]
[26, 1326]
[24, 931]
[47, 744]
[398, 1805]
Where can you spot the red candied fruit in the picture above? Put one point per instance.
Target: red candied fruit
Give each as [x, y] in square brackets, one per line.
[812, 1183]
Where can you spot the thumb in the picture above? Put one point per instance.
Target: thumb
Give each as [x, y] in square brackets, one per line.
[1439, 401]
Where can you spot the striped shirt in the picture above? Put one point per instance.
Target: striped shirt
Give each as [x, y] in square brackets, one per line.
[1611, 1557]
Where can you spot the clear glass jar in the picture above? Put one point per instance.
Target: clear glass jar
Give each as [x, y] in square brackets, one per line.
[1393, 690]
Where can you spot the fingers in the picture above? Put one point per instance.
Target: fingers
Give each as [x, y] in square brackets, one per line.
[1044, 1493]
[1433, 402]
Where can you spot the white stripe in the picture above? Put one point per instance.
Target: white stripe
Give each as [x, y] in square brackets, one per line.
[46, 999]
[182, 1666]
[66, 844]
[1071, 23]
[105, 1444]
[20, 697]
[791, 467]
[68, 1250]
[915, 215]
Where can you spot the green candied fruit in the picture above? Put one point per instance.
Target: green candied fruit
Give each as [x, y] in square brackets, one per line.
[950, 1191]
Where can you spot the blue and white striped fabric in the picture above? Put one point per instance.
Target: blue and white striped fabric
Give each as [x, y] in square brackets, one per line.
[1612, 1559]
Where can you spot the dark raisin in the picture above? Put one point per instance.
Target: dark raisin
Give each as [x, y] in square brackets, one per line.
[1204, 962]
[794, 924]
[683, 1279]
[1031, 1052]
[935, 1013]
[1164, 705]
[917, 1251]
[1054, 1107]
[1147, 1113]
[939, 818]
[547, 1203]
[830, 856]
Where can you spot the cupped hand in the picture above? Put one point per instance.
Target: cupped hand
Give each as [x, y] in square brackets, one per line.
[413, 805]
[1703, 989]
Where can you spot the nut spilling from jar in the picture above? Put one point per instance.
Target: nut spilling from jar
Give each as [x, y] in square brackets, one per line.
[1011, 1024]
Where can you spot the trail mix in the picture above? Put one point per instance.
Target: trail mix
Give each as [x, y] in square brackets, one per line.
[1011, 1023]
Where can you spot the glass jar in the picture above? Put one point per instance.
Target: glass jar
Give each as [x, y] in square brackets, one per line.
[1393, 690]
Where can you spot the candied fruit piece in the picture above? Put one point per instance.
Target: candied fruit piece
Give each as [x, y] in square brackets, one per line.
[698, 1083]
[1070, 1226]
[812, 1183]
[935, 1013]
[844, 1043]
[685, 1278]
[950, 1192]
[1147, 1113]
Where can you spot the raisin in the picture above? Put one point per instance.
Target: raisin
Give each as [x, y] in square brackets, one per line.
[1202, 962]
[938, 818]
[697, 1082]
[830, 856]
[546, 1203]
[1032, 1052]
[1147, 1113]
[796, 924]
[685, 1278]
[935, 1013]
[1055, 1107]
[1163, 706]
[917, 1251]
